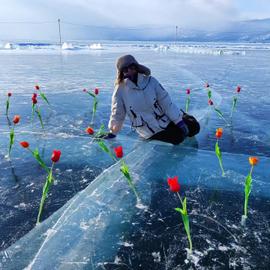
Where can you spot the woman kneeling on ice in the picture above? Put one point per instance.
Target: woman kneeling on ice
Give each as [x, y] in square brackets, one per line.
[148, 105]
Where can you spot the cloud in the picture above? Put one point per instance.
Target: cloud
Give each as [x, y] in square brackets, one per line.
[202, 14]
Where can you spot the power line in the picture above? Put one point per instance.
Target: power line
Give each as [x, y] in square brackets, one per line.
[143, 28]
[27, 22]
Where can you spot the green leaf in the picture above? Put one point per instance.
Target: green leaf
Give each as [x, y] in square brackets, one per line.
[209, 93]
[11, 140]
[234, 103]
[46, 187]
[101, 132]
[40, 118]
[185, 205]
[95, 106]
[91, 94]
[125, 170]
[219, 112]
[219, 156]
[36, 155]
[248, 184]
[103, 146]
[185, 219]
[44, 97]
[217, 150]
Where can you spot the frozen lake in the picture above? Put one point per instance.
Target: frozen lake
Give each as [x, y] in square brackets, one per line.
[100, 228]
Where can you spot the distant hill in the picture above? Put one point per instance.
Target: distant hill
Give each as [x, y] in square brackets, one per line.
[242, 31]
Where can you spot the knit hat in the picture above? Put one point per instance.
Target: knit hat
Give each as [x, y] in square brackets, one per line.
[127, 60]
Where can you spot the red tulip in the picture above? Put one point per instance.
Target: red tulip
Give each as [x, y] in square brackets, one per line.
[16, 119]
[253, 160]
[96, 91]
[207, 85]
[24, 144]
[34, 95]
[210, 102]
[34, 100]
[238, 89]
[9, 94]
[188, 91]
[90, 131]
[84, 90]
[56, 155]
[37, 87]
[173, 184]
[118, 151]
[219, 133]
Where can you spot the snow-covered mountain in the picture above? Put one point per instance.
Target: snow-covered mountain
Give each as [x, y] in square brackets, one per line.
[242, 31]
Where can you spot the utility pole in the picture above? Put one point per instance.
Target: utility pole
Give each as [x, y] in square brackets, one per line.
[176, 33]
[60, 38]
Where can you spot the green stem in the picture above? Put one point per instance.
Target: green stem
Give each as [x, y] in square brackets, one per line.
[44, 193]
[180, 198]
[94, 109]
[187, 103]
[218, 154]
[129, 180]
[221, 166]
[40, 118]
[11, 140]
[247, 195]
[33, 110]
[7, 106]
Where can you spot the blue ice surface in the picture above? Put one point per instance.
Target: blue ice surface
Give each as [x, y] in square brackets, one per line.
[88, 230]
[98, 216]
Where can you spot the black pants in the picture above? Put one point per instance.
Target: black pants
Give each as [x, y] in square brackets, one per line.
[172, 134]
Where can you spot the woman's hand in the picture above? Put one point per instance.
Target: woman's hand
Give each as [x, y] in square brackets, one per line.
[115, 128]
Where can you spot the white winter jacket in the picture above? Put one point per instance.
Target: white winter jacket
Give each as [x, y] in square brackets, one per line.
[147, 104]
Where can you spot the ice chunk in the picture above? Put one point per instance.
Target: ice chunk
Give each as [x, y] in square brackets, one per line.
[67, 46]
[96, 46]
[8, 46]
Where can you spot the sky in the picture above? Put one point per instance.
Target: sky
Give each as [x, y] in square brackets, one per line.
[42, 15]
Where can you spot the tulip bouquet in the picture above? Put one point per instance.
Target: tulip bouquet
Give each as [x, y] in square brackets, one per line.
[219, 133]
[36, 109]
[248, 184]
[188, 99]
[49, 181]
[16, 120]
[175, 187]
[8, 102]
[238, 89]
[93, 95]
[43, 96]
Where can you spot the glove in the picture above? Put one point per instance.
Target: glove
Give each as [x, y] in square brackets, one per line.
[182, 125]
[192, 124]
[106, 136]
